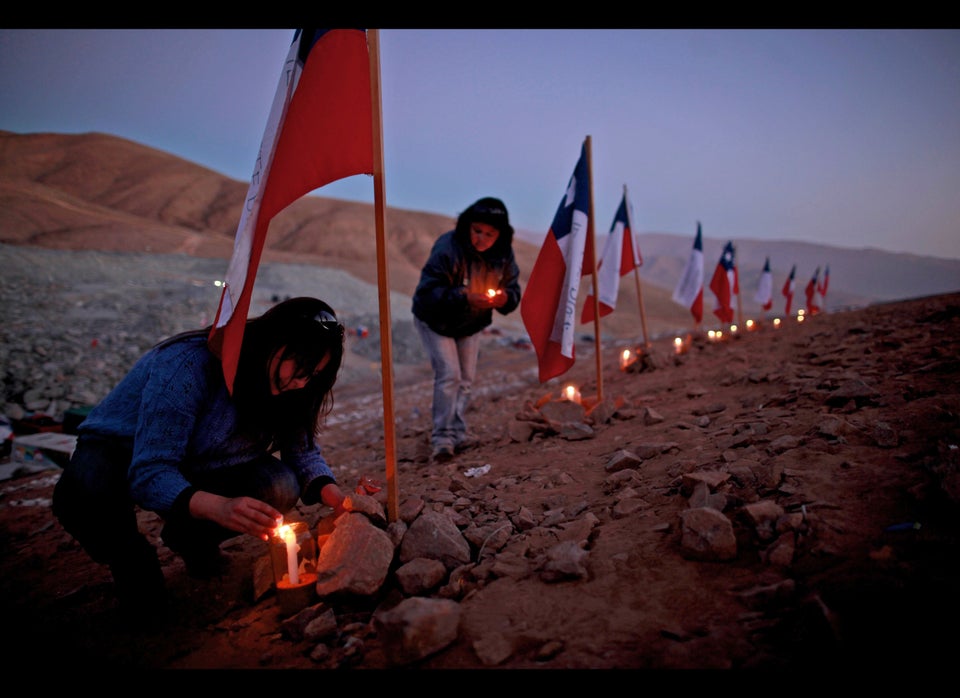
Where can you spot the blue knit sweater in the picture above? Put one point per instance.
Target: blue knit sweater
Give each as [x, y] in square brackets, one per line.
[173, 408]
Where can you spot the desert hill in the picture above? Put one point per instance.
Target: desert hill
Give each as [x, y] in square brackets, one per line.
[99, 192]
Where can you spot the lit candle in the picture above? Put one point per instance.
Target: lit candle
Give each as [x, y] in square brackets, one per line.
[572, 394]
[491, 292]
[678, 345]
[626, 358]
[290, 540]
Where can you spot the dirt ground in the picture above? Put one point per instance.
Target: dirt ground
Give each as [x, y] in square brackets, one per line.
[870, 589]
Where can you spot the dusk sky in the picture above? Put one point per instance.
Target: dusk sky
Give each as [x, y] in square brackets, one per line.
[840, 137]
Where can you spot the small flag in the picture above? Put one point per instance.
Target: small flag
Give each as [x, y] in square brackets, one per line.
[724, 284]
[549, 303]
[811, 293]
[689, 290]
[764, 294]
[822, 287]
[320, 129]
[788, 288]
[621, 255]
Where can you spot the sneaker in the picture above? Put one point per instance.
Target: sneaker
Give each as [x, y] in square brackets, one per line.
[466, 444]
[442, 454]
[140, 589]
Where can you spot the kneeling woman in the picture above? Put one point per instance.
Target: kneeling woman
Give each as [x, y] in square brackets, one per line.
[171, 439]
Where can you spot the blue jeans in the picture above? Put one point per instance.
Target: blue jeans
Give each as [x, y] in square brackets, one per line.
[92, 501]
[454, 362]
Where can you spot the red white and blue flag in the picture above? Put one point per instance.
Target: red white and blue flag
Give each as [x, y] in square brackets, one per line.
[725, 284]
[822, 286]
[320, 129]
[549, 303]
[689, 290]
[621, 255]
[789, 286]
[811, 292]
[764, 294]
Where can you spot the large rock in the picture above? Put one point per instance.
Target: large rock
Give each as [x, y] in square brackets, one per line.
[435, 537]
[355, 559]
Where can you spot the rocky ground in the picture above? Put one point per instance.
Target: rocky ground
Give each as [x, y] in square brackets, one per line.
[781, 499]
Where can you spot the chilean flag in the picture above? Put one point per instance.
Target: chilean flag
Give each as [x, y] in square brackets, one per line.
[621, 255]
[764, 294]
[549, 303]
[725, 284]
[811, 293]
[689, 290]
[320, 129]
[822, 287]
[788, 288]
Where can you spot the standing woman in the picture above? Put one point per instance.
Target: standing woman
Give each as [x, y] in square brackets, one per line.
[171, 439]
[470, 273]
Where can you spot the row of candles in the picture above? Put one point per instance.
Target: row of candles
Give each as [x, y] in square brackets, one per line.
[681, 345]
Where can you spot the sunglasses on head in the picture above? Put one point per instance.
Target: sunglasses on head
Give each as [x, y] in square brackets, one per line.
[328, 321]
[488, 211]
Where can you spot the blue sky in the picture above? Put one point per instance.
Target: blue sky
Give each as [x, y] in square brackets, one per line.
[839, 136]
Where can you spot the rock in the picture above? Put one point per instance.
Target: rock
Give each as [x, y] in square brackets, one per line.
[416, 628]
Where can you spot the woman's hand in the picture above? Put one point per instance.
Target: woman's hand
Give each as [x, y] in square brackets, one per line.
[485, 300]
[333, 497]
[240, 514]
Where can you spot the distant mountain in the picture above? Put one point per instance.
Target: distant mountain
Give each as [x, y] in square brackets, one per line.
[102, 192]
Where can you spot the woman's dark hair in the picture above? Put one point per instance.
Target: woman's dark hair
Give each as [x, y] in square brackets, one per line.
[491, 211]
[305, 330]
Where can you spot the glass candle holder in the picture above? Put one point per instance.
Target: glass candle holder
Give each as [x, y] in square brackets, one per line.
[293, 556]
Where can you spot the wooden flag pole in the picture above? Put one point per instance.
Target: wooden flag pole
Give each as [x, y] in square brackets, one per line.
[636, 273]
[643, 315]
[593, 273]
[383, 283]
[736, 275]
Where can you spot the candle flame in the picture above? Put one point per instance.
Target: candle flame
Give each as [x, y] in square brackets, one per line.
[283, 530]
[571, 393]
[491, 292]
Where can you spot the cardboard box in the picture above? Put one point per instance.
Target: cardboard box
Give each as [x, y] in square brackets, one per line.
[45, 447]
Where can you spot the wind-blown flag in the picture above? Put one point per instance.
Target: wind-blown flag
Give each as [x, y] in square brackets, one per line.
[689, 290]
[549, 303]
[822, 287]
[788, 288]
[811, 293]
[319, 130]
[621, 255]
[764, 294]
[725, 284]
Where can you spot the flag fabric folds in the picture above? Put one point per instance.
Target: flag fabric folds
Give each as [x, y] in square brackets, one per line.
[811, 293]
[319, 130]
[764, 294]
[724, 284]
[788, 288]
[822, 286]
[621, 255]
[689, 290]
[549, 303]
